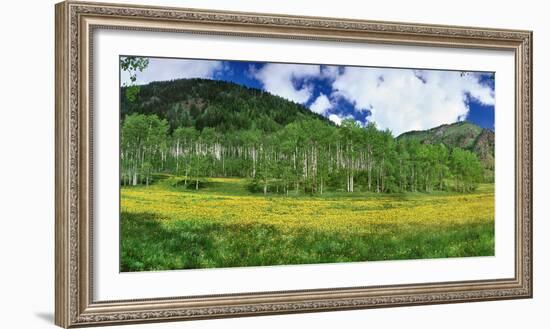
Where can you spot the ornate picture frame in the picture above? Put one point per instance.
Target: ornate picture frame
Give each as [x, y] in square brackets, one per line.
[75, 24]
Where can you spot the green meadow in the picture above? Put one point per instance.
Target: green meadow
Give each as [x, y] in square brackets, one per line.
[167, 225]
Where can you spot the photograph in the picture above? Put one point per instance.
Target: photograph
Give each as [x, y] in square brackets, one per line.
[227, 163]
[218, 163]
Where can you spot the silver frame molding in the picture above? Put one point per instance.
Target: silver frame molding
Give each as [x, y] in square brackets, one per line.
[75, 23]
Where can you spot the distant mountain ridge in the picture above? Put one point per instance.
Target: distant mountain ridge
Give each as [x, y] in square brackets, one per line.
[464, 134]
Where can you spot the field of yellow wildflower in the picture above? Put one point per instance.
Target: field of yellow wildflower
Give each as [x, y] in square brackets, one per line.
[165, 226]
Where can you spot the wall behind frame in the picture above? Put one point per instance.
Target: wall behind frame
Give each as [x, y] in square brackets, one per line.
[27, 162]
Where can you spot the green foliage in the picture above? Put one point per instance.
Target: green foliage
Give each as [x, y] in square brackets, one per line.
[132, 65]
[201, 134]
[463, 135]
[144, 145]
[466, 169]
[131, 93]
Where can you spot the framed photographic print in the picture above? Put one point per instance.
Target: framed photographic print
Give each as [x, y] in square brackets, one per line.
[217, 164]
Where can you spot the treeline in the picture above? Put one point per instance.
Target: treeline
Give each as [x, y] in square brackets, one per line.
[307, 155]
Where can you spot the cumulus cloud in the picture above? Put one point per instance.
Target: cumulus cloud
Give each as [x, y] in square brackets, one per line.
[279, 79]
[163, 69]
[337, 118]
[403, 100]
[321, 104]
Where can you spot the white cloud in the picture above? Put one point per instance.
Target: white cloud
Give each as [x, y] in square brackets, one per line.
[279, 79]
[337, 119]
[163, 69]
[321, 104]
[403, 100]
[330, 71]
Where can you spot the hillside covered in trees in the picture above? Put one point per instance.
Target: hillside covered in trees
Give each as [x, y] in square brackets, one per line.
[225, 106]
[464, 135]
[196, 128]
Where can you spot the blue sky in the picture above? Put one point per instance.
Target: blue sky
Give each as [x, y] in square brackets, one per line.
[397, 99]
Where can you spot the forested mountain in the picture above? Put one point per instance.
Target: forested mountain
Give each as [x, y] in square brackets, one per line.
[464, 135]
[226, 106]
[199, 128]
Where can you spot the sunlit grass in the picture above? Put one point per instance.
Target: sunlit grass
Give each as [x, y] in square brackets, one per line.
[167, 226]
